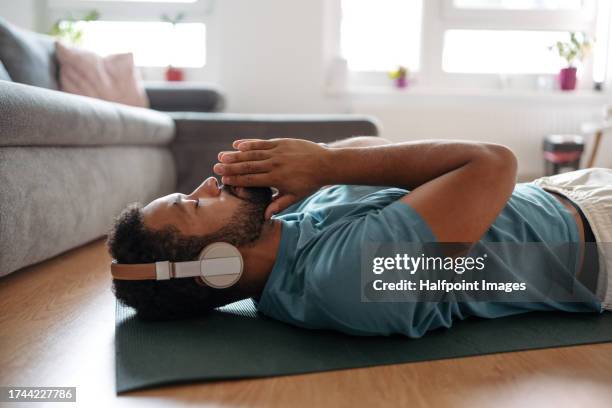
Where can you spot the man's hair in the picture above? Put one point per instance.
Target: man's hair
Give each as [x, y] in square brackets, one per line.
[130, 241]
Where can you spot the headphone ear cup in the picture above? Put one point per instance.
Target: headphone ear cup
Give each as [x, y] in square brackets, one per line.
[232, 262]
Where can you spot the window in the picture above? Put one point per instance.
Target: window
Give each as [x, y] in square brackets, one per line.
[510, 37]
[475, 43]
[138, 26]
[380, 35]
[154, 44]
[501, 51]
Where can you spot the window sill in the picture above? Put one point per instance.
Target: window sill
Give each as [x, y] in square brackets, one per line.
[419, 93]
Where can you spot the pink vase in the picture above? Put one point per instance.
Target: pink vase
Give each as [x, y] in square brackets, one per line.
[567, 79]
[401, 82]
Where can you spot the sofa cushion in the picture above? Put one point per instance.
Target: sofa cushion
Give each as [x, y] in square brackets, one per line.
[28, 57]
[34, 116]
[4, 76]
[113, 78]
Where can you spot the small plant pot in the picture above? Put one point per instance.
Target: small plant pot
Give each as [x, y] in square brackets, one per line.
[174, 74]
[401, 82]
[567, 79]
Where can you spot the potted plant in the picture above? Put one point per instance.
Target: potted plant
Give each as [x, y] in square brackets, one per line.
[400, 76]
[572, 51]
[68, 30]
[174, 73]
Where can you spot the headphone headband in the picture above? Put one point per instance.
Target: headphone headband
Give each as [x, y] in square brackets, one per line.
[220, 266]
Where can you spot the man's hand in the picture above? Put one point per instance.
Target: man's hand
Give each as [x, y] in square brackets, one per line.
[297, 168]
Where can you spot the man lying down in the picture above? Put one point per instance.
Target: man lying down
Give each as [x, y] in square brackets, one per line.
[301, 249]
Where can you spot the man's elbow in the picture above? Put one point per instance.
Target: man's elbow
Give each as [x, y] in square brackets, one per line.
[502, 163]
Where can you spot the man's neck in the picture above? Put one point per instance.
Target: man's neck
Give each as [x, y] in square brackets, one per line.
[259, 259]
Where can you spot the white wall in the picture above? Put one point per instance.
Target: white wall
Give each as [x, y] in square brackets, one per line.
[271, 56]
[519, 121]
[21, 12]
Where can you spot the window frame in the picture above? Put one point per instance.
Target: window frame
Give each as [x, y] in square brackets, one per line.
[442, 15]
[517, 19]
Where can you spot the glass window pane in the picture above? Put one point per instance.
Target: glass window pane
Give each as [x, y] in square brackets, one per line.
[520, 4]
[501, 52]
[380, 35]
[154, 44]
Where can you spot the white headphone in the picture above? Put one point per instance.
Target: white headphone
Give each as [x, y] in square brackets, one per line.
[219, 265]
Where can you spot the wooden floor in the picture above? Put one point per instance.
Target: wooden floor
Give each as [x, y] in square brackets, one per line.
[57, 328]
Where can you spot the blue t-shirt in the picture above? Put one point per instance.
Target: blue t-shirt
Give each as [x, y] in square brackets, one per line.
[316, 281]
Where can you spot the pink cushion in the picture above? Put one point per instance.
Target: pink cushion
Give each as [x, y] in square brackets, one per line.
[113, 78]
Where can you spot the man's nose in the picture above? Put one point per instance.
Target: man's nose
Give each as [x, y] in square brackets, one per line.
[208, 188]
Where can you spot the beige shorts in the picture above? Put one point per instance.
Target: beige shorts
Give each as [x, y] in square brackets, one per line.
[591, 191]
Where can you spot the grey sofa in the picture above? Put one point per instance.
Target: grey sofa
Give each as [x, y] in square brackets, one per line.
[69, 164]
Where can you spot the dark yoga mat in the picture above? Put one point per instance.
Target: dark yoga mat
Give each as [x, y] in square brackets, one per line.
[238, 343]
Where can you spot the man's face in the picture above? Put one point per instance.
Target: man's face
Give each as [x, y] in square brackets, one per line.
[208, 208]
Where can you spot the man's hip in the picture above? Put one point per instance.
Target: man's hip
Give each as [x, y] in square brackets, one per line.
[591, 191]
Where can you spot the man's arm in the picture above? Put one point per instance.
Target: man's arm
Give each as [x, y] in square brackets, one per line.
[360, 141]
[357, 141]
[458, 187]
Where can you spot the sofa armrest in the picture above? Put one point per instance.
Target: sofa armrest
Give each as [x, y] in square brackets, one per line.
[201, 136]
[33, 116]
[187, 97]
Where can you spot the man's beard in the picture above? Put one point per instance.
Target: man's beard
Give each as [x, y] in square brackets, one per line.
[260, 196]
[246, 224]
